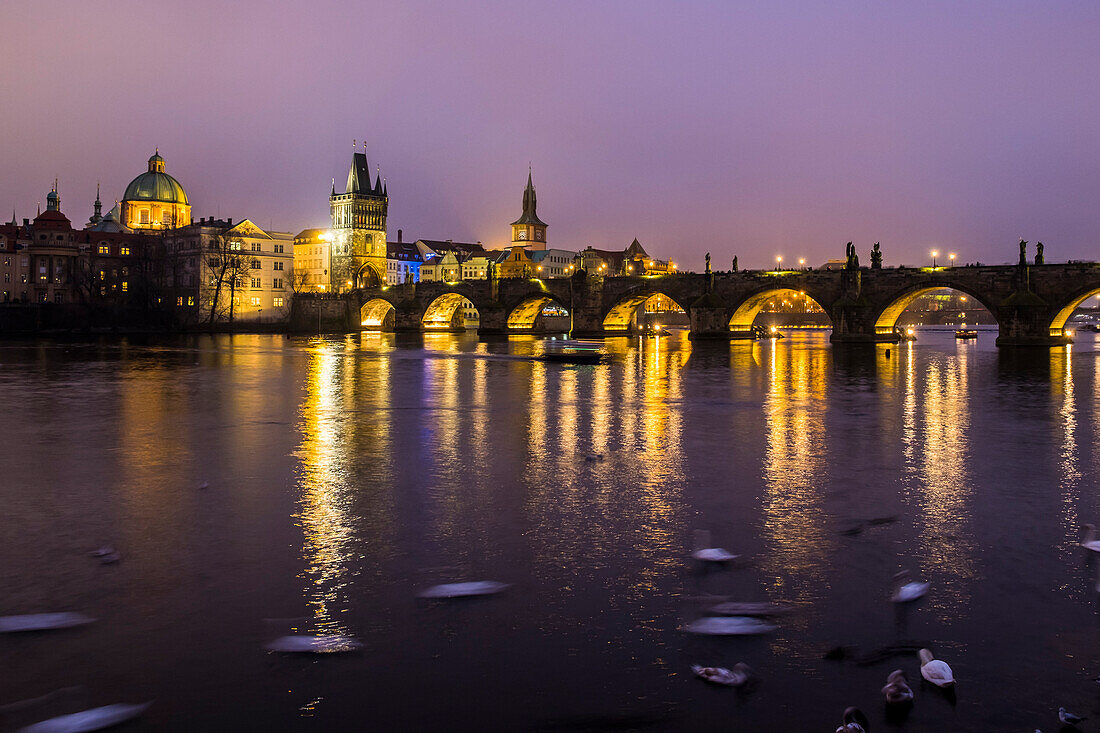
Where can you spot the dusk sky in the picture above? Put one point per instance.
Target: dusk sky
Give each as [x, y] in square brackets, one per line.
[748, 128]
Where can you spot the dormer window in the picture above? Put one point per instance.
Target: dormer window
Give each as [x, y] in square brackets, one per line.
[104, 249]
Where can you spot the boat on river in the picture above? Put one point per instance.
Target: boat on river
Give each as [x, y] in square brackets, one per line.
[573, 352]
[966, 333]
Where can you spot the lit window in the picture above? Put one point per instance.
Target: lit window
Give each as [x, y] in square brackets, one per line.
[124, 251]
[255, 301]
[278, 302]
[179, 300]
[143, 216]
[104, 249]
[125, 286]
[190, 300]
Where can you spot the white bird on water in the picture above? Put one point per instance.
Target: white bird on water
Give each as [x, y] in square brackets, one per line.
[735, 677]
[935, 670]
[905, 590]
[91, 719]
[1090, 541]
[1069, 718]
[704, 553]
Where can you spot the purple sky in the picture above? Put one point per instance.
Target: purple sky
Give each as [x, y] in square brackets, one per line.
[753, 128]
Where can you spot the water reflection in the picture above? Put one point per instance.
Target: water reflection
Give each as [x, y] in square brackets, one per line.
[1065, 438]
[799, 545]
[936, 427]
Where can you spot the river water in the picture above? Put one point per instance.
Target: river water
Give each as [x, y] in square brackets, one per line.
[348, 473]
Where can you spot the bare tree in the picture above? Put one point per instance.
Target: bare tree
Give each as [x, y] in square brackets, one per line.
[227, 265]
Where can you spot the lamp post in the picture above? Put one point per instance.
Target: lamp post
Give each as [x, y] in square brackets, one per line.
[801, 263]
[778, 262]
[952, 258]
[934, 255]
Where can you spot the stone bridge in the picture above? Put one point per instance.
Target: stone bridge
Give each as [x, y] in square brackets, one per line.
[1030, 302]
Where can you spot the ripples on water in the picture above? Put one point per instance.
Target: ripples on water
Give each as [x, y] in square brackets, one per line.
[347, 473]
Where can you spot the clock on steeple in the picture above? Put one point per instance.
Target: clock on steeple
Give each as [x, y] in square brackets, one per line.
[529, 228]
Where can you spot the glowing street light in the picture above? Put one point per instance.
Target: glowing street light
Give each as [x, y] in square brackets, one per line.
[935, 254]
[801, 262]
[952, 258]
[778, 262]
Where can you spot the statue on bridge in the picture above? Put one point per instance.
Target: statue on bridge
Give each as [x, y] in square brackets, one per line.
[876, 257]
[708, 263]
[734, 264]
[1023, 253]
[1039, 253]
[853, 258]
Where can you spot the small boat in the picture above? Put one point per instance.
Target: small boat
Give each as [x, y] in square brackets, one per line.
[905, 590]
[735, 677]
[908, 334]
[89, 720]
[314, 644]
[729, 626]
[573, 352]
[464, 590]
[966, 333]
[761, 609]
[42, 622]
[935, 670]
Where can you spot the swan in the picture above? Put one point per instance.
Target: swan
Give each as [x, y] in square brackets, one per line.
[897, 689]
[729, 626]
[854, 721]
[935, 670]
[320, 644]
[464, 590]
[1090, 542]
[42, 621]
[704, 553]
[736, 677]
[91, 719]
[906, 590]
[1069, 718]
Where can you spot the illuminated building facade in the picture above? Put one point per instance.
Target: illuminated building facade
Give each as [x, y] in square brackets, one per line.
[311, 261]
[358, 247]
[155, 200]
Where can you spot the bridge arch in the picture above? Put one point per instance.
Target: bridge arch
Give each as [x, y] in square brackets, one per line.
[1062, 315]
[888, 317]
[523, 316]
[745, 313]
[447, 311]
[377, 314]
[369, 276]
[620, 316]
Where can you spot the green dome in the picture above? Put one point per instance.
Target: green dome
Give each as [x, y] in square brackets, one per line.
[155, 185]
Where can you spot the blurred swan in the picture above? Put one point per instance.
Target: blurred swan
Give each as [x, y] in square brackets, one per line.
[91, 719]
[897, 689]
[320, 644]
[735, 677]
[1090, 541]
[935, 670]
[905, 590]
[464, 590]
[854, 721]
[704, 553]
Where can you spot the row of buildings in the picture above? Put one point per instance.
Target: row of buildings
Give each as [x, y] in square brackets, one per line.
[147, 257]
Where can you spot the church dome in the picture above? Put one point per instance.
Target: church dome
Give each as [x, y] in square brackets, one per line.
[155, 185]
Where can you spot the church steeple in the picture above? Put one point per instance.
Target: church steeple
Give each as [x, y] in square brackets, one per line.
[97, 206]
[529, 228]
[358, 245]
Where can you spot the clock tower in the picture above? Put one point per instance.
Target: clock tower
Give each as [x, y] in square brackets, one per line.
[529, 231]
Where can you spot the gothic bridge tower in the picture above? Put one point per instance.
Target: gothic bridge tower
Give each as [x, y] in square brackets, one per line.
[358, 246]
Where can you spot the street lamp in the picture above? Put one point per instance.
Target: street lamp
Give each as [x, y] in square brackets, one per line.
[952, 258]
[778, 262]
[801, 262]
[934, 255]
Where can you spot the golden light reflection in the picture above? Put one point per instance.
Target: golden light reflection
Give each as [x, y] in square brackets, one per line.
[936, 435]
[799, 545]
[1061, 387]
[326, 515]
